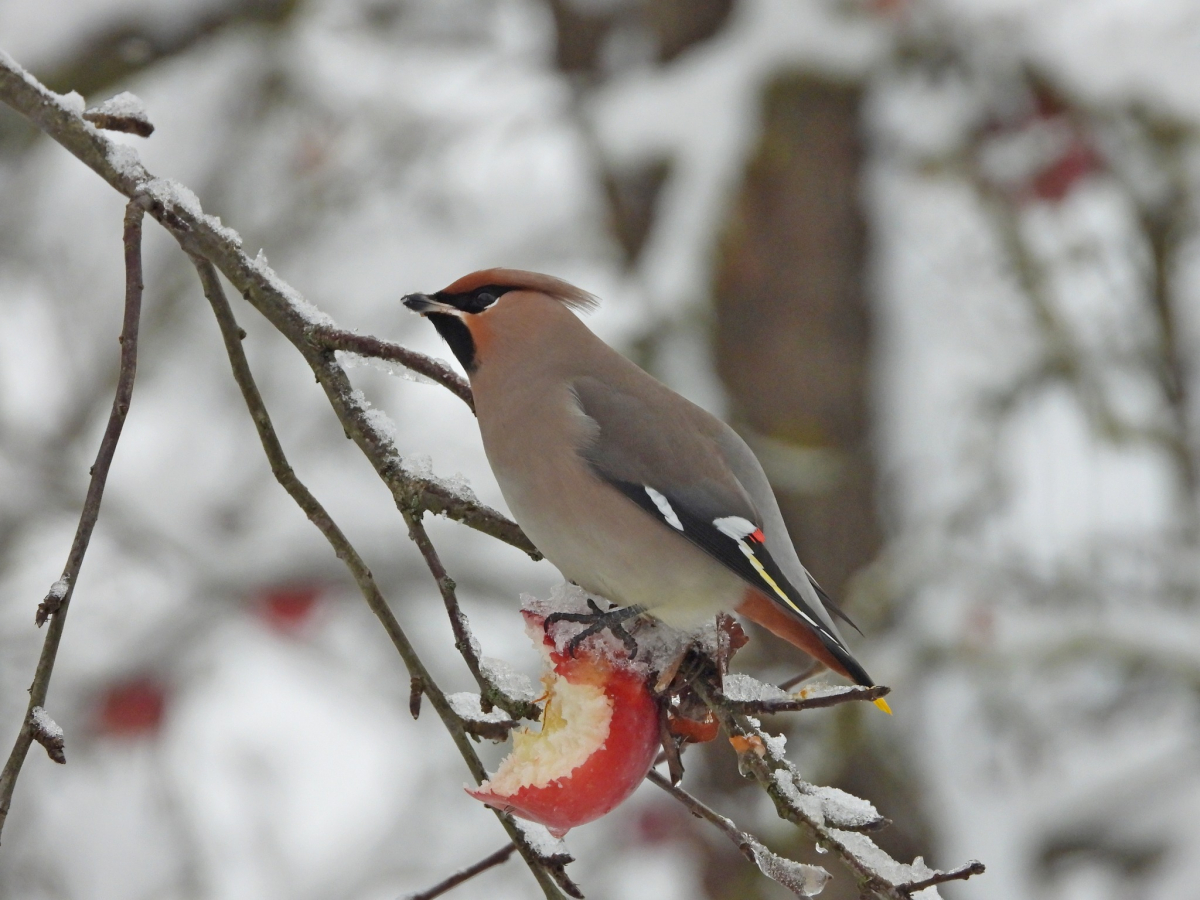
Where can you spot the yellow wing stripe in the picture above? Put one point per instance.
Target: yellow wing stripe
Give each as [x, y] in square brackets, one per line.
[758, 567]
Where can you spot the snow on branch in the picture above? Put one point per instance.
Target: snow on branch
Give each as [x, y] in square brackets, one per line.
[124, 112]
[802, 880]
[834, 818]
[48, 733]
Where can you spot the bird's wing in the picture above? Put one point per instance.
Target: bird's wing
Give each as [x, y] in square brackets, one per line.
[672, 460]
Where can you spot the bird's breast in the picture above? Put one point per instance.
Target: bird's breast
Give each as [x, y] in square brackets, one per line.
[593, 534]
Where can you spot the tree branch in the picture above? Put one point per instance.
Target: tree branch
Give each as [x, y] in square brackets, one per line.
[833, 818]
[365, 345]
[54, 607]
[464, 875]
[286, 476]
[490, 694]
[801, 879]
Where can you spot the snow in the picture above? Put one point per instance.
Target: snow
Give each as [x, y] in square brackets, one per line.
[123, 105]
[418, 466]
[294, 298]
[842, 810]
[173, 195]
[659, 645]
[801, 879]
[543, 843]
[507, 680]
[742, 688]
[468, 706]
[46, 725]
[870, 855]
[225, 232]
[58, 590]
[827, 805]
[803, 802]
[72, 102]
[351, 360]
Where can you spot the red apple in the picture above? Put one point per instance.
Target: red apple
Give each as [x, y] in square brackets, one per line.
[598, 738]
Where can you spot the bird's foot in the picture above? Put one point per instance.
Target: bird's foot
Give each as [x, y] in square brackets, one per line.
[599, 620]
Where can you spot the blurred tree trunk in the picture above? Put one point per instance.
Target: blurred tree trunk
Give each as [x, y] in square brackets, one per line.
[792, 335]
[793, 346]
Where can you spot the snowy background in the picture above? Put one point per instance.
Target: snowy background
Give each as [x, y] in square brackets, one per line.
[236, 720]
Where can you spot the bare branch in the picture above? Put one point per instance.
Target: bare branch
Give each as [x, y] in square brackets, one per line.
[490, 694]
[465, 875]
[962, 873]
[845, 694]
[365, 345]
[345, 551]
[58, 600]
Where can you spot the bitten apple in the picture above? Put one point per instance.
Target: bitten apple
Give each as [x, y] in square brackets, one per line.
[598, 738]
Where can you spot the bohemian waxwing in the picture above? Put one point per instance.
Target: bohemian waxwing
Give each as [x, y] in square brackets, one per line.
[635, 494]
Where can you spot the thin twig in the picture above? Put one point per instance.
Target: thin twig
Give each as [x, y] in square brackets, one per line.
[703, 811]
[769, 707]
[465, 875]
[56, 611]
[365, 345]
[962, 873]
[345, 551]
[815, 666]
[464, 641]
[801, 879]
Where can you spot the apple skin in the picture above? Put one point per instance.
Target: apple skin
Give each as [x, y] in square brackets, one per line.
[614, 770]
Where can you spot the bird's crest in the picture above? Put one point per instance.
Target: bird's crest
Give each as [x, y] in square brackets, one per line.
[518, 279]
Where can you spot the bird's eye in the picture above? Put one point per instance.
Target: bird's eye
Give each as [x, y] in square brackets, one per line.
[485, 298]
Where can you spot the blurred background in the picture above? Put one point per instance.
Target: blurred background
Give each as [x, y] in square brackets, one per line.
[938, 262]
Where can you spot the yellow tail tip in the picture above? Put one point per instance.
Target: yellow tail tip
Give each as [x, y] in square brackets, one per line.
[882, 704]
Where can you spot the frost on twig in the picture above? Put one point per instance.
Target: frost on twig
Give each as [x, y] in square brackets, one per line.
[835, 819]
[744, 694]
[550, 852]
[124, 112]
[48, 733]
[495, 724]
[52, 603]
[802, 880]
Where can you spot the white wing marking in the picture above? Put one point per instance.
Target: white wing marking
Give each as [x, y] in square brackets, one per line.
[664, 507]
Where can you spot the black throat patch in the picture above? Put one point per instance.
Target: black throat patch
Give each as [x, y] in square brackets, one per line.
[458, 336]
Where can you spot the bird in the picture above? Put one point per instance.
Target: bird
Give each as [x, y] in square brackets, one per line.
[633, 492]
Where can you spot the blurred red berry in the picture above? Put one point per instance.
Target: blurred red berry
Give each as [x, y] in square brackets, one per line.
[887, 8]
[1056, 180]
[658, 825]
[132, 708]
[287, 608]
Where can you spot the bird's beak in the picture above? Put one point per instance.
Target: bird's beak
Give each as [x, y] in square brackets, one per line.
[423, 304]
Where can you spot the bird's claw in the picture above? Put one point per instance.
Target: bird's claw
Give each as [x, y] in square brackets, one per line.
[598, 620]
